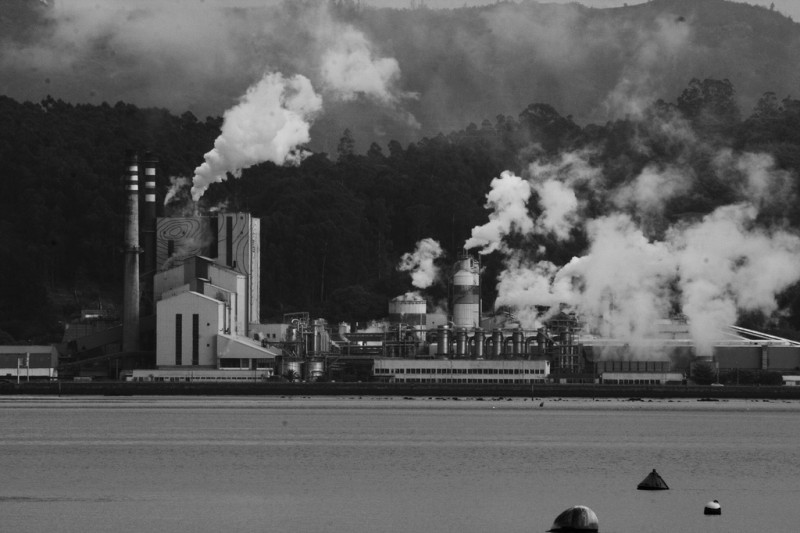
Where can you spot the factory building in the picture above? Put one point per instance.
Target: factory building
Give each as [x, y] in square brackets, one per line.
[25, 363]
[461, 371]
[192, 282]
[206, 295]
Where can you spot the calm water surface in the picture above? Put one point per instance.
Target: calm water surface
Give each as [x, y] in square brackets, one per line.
[392, 465]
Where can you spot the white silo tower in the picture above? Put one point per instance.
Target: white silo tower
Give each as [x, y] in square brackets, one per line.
[466, 292]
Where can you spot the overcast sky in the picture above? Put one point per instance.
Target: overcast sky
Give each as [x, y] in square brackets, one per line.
[787, 7]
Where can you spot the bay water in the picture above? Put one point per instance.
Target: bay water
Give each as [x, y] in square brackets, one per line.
[423, 465]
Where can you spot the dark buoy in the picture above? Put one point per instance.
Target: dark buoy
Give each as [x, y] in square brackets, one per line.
[653, 482]
[575, 519]
[712, 508]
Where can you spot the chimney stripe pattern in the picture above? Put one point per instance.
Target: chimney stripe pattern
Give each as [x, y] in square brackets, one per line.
[130, 309]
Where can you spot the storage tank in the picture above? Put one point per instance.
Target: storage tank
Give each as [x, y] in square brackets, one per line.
[289, 367]
[443, 341]
[461, 342]
[477, 344]
[410, 309]
[313, 369]
[466, 293]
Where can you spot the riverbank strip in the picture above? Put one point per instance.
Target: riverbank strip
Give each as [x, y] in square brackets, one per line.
[112, 388]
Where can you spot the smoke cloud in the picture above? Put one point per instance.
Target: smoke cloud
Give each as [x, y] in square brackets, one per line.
[631, 276]
[269, 123]
[421, 264]
[508, 201]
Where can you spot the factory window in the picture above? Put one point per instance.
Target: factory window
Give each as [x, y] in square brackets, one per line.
[195, 339]
[178, 339]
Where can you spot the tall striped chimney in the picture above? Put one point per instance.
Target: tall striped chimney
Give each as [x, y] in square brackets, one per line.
[148, 263]
[130, 296]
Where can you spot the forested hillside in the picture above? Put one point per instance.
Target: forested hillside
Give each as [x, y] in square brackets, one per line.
[442, 68]
[335, 227]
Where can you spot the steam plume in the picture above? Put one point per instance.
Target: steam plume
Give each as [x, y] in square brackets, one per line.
[629, 277]
[421, 263]
[269, 123]
[508, 200]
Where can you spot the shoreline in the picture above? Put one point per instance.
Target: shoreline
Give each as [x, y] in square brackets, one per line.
[632, 393]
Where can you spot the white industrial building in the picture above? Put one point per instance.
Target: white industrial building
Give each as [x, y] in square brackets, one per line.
[461, 371]
[206, 296]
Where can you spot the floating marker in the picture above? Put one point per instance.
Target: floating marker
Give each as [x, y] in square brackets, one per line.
[712, 508]
[575, 519]
[653, 481]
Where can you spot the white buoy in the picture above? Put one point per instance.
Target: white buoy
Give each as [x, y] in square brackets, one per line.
[576, 519]
[712, 507]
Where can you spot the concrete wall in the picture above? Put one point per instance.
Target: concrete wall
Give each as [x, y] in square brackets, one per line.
[728, 357]
[211, 321]
[239, 248]
[236, 284]
[783, 357]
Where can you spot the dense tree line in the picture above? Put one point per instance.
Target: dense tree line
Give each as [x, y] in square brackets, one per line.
[334, 227]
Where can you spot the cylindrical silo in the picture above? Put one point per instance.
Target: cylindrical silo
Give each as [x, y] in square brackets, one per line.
[477, 344]
[443, 341]
[497, 343]
[466, 293]
[409, 309]
[518, 342]
[461, 342]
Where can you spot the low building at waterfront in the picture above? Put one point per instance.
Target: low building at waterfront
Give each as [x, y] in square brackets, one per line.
[460, 371]
[23, 363]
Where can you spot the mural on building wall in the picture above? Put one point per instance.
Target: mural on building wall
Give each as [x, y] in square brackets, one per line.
[178, 239]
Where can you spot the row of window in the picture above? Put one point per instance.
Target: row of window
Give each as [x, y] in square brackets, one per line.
[632, 381]
[459, 371]
[467, 380]
[173, 379]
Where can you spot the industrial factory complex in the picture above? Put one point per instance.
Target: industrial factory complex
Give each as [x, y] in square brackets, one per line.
[191, 314]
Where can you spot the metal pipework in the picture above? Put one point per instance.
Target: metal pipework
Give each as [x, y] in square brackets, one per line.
[507, 351]
[443, 340]
[130, 296]
[497, 343]
[476, 343]
[518, 342]
[461, 342]
[528, 342]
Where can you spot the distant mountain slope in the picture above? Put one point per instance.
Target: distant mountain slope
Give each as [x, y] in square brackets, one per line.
[463, 64]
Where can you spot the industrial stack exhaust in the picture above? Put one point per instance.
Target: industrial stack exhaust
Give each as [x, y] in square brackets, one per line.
[148, 264]
[130, 297]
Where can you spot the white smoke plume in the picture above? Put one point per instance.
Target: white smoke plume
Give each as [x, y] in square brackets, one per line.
[269, 124]
[629, 279]
[508, 200]
[648, 192]
[176, 191]
[420, 263]
[555, 183]
[349, 68]
[726, 264]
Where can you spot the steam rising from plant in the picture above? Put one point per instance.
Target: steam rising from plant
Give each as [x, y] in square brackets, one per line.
[269, 124]
[273, 119]
[632, 275]
[420, 263]
[508, 201]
